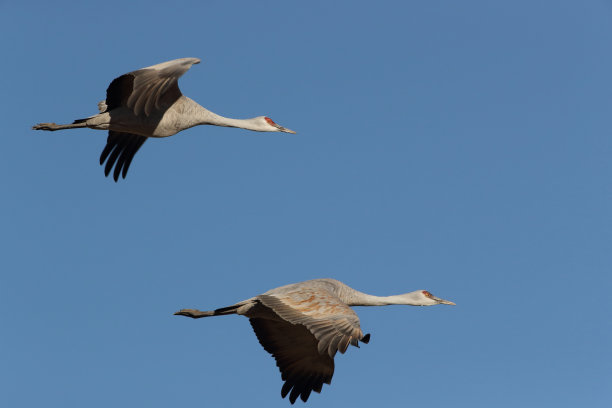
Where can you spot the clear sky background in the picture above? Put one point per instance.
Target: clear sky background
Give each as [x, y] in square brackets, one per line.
[463, 147]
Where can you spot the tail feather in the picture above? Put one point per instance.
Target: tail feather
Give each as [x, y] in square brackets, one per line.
[102, 106]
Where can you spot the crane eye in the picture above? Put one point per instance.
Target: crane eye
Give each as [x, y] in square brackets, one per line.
[270, 121]
[426, 293]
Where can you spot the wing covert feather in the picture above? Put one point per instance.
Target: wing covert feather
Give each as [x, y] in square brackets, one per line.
[148, 89]
[334, 324]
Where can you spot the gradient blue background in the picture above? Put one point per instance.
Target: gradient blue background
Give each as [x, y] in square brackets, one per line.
[460, 147]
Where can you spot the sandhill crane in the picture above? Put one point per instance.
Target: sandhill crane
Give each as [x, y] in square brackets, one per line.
[304, 324]
[148, 103]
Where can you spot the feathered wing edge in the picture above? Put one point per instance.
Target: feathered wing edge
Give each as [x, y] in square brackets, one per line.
[120, 150]
[304, 347]
[294, 348]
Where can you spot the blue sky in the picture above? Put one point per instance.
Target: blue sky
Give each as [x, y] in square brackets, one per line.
[459, 147]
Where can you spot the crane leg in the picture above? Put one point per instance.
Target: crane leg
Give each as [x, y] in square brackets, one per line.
[194, 313]
[54, 126]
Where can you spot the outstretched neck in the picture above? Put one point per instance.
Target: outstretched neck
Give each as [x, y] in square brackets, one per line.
[203, 116]
[363, 299]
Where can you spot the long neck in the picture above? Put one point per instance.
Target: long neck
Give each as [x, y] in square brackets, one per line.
[363, 299]
[203, 116]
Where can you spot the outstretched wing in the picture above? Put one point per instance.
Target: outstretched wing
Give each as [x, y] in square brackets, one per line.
[120, 150]
[294, 348]
[334, 324]
[148, 89]
[312, 325]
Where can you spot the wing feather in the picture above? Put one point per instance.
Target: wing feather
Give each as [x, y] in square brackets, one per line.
[331, 321]
[119, 152]
[294, 348]
[148, 89]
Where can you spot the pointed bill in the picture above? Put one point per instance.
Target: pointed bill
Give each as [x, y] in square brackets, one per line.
[444, 302]
[283, 129]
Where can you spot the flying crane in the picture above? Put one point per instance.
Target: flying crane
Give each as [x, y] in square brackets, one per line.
[304, 324]
[148, 103]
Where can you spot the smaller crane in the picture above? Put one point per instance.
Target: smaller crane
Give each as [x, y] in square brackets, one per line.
[304, 324]
[148, 103]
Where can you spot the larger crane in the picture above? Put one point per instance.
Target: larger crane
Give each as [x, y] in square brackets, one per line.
[304, 324]
[148, 103]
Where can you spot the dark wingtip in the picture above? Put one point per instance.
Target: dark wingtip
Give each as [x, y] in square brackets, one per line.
[366, 338]
[119, 152]
[285, 390]
[294, 395]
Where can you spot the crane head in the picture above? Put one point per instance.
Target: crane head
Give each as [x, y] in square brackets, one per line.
[274, 127]
[429, 299]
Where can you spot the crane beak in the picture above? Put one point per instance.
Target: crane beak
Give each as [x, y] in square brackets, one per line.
[282, 129]
[444, 302]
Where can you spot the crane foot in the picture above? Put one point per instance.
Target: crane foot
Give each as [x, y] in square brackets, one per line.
[46, 126]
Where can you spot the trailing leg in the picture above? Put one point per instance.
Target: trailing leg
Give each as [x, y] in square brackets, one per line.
[54, 126]
[196, 314]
